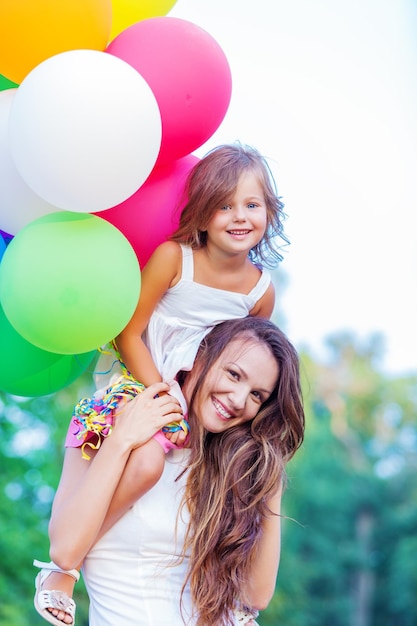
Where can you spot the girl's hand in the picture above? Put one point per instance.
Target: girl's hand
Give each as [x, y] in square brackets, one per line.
[138, 420]
[178, 438]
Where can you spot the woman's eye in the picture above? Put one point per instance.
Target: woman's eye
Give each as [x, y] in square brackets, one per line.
[233, 374]
[257, 395]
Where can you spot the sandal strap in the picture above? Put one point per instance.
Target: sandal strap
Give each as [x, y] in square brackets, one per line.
[54, 599]
[53, 567]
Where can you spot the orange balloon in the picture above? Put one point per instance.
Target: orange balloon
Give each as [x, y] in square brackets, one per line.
[128, 12]
[31, 31]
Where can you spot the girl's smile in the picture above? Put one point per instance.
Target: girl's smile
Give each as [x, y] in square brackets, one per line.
[242, 220]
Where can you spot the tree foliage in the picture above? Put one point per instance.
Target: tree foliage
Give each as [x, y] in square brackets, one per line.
[32, 431]
[348, 559]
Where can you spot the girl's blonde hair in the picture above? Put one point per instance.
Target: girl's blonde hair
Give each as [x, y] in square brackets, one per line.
[210, 184]
[232, 475]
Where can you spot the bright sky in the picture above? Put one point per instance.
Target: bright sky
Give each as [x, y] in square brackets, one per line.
[327, 90]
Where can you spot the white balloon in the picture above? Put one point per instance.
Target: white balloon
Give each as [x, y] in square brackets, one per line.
[19, 205]
[85, 130]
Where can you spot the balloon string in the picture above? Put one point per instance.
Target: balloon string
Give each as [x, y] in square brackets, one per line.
[172, 427]
[95, 415]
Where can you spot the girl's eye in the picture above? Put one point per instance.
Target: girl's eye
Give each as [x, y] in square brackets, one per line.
[252, 205]
[226, 207]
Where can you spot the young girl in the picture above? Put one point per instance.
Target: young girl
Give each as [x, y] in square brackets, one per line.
[209, 271]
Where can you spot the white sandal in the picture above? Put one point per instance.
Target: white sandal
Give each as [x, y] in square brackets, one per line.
[52, 599]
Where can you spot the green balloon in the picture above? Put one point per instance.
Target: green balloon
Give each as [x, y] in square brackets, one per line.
[5, 83]
[26, 370]
[69, 282]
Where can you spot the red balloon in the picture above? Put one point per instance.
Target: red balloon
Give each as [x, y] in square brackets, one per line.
[189, 75]
[152, 214]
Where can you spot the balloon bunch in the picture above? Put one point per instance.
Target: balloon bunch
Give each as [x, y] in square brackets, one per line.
[102, 103]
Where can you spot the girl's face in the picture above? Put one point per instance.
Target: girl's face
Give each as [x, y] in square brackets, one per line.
[236, 386]
[240, 223]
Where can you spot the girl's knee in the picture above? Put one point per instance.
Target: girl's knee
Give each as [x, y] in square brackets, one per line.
[146, 464]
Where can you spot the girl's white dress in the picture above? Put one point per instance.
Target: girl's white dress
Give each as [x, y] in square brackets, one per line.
[184, 315]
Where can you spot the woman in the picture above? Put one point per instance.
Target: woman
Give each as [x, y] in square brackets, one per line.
[205, 541]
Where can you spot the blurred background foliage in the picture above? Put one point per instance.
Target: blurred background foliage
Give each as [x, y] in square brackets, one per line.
[349, 540]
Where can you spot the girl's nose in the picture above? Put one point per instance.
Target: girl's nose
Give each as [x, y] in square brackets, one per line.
[239, 214]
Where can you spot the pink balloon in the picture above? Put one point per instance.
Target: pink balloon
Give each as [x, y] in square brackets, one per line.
[152, 214]
[189, 75]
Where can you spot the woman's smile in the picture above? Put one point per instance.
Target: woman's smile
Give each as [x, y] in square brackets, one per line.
[237, 385]
[221, 410]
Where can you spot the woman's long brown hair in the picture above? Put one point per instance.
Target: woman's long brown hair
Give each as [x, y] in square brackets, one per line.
[232, 475]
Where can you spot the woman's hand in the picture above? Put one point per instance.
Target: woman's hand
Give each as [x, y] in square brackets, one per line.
[87, 488]
[139, 419]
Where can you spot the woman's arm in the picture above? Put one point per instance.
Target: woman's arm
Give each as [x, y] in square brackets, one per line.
[263, 577]
[160, 273]
[87, 488]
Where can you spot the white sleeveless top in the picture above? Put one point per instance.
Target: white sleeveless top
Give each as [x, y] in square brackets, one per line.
[183, 316]
[132, 574]
[187, 312]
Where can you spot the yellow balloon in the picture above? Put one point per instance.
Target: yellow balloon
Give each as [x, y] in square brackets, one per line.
[31, 31]
[128, 12]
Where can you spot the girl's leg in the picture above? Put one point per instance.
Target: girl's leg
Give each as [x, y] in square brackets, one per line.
[142, 472]
[73, 472]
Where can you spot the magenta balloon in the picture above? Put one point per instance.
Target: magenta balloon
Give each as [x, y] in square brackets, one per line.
[189, 75]
[152, 214]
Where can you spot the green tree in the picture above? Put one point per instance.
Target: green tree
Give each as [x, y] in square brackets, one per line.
[347, 560]
[32, 431]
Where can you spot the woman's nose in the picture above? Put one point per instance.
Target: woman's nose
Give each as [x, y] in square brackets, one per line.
[238, 399]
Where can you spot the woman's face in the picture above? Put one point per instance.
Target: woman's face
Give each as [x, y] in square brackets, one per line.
[236, 386]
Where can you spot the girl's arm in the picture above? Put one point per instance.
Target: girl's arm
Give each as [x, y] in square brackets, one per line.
[263, 577]
[265, 305]
[162, 271]
[87, 488]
